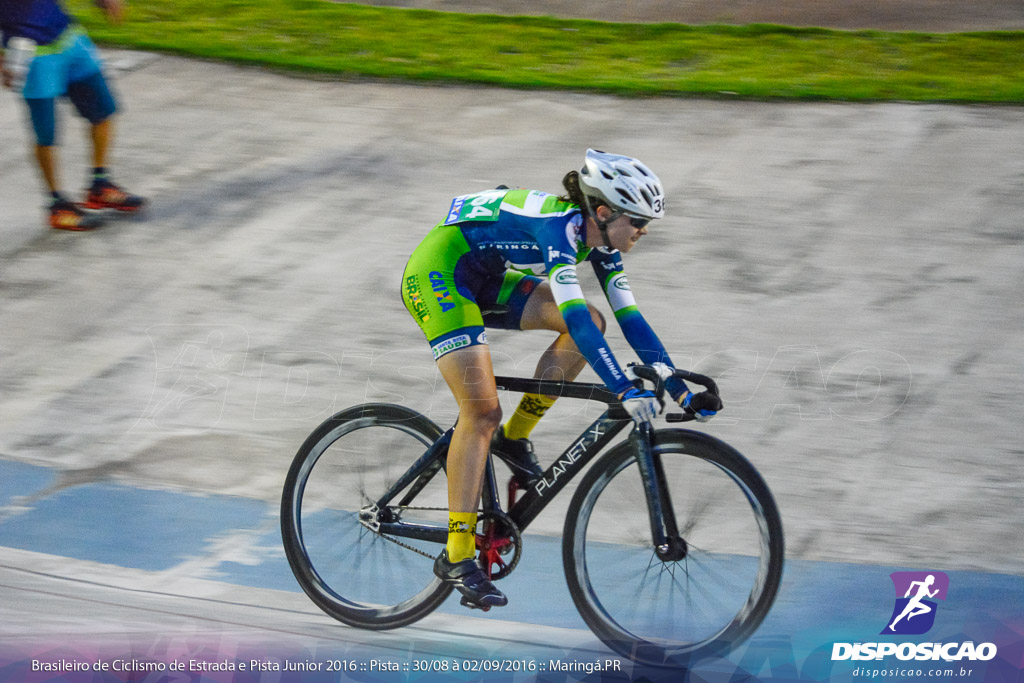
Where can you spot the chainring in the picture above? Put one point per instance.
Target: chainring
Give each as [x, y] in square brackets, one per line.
[499, 537]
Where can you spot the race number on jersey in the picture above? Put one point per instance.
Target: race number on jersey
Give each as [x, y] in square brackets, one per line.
[482, 206]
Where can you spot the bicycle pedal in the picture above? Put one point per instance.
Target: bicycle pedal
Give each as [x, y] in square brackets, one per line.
[466, 602]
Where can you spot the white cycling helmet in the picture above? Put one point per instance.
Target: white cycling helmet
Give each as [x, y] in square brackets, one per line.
[624, 183]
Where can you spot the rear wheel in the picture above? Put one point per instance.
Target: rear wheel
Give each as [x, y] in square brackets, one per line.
[715, 589]
[351, 571]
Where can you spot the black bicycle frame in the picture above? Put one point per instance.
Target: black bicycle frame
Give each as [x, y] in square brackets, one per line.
[554, 479]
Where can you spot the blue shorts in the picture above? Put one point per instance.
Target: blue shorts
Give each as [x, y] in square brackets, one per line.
[502, 301]
[70, 66]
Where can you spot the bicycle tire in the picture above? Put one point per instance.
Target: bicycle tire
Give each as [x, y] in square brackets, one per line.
[662, 632]
[385, 585]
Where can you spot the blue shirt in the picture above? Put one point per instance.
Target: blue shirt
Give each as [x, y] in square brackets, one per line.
[40, 20]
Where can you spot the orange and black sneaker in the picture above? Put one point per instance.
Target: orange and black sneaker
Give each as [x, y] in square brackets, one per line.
[106, 195]
[64, 215]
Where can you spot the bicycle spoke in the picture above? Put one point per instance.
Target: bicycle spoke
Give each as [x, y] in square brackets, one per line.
[356, 573]
[697, 602]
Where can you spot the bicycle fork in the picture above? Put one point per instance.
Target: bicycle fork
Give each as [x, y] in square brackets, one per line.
[669, 546]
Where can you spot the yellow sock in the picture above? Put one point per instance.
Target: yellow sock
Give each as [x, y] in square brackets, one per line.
[461, 536]
[531, 409]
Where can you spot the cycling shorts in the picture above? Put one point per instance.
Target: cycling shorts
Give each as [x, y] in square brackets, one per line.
[453, 301]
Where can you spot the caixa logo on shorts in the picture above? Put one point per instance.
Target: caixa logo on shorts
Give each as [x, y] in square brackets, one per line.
[914, 614]
[441, 292]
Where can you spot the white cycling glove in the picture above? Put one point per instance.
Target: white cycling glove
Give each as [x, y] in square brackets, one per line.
[642, 406]
[664, 370]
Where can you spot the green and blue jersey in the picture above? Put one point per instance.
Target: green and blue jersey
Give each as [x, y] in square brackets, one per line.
[488, 236]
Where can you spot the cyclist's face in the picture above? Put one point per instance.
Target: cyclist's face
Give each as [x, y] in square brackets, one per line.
[623, 233]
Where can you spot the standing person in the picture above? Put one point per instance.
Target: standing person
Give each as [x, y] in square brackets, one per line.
[55, 58]
[480, 268]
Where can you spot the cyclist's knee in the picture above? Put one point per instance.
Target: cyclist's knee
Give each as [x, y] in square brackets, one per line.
[485, 415]
[491, 418]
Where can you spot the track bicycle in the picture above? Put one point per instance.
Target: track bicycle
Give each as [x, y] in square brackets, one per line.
[672, 545]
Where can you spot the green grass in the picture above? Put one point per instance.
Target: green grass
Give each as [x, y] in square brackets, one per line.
[756, 61]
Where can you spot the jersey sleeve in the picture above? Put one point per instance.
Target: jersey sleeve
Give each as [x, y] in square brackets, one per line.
[560, 260]
[638, 333]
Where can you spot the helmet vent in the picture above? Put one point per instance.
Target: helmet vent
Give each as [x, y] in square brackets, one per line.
[629, 197]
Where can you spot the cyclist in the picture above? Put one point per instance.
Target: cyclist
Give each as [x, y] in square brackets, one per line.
[64, 62]
[480, 268]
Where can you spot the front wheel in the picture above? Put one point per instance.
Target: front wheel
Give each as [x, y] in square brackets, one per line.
[699, 602]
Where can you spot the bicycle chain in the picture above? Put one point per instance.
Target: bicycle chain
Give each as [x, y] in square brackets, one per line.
[401, 509]
[504, 518]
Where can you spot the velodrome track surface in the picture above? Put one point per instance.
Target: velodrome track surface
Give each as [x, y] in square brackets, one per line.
[849, 272]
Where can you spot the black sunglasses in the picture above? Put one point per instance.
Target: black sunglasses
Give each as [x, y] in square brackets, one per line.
[639, 223]
[636, 221]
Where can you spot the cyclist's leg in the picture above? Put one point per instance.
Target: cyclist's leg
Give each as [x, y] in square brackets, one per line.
[439, 298]
[560, 361]
[470, 376]
[436, 293]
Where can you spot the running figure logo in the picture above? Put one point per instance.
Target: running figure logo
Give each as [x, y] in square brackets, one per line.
[914, 613]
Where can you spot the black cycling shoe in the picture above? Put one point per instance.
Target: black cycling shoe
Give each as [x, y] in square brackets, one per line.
[519, 456]
[469, 579]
